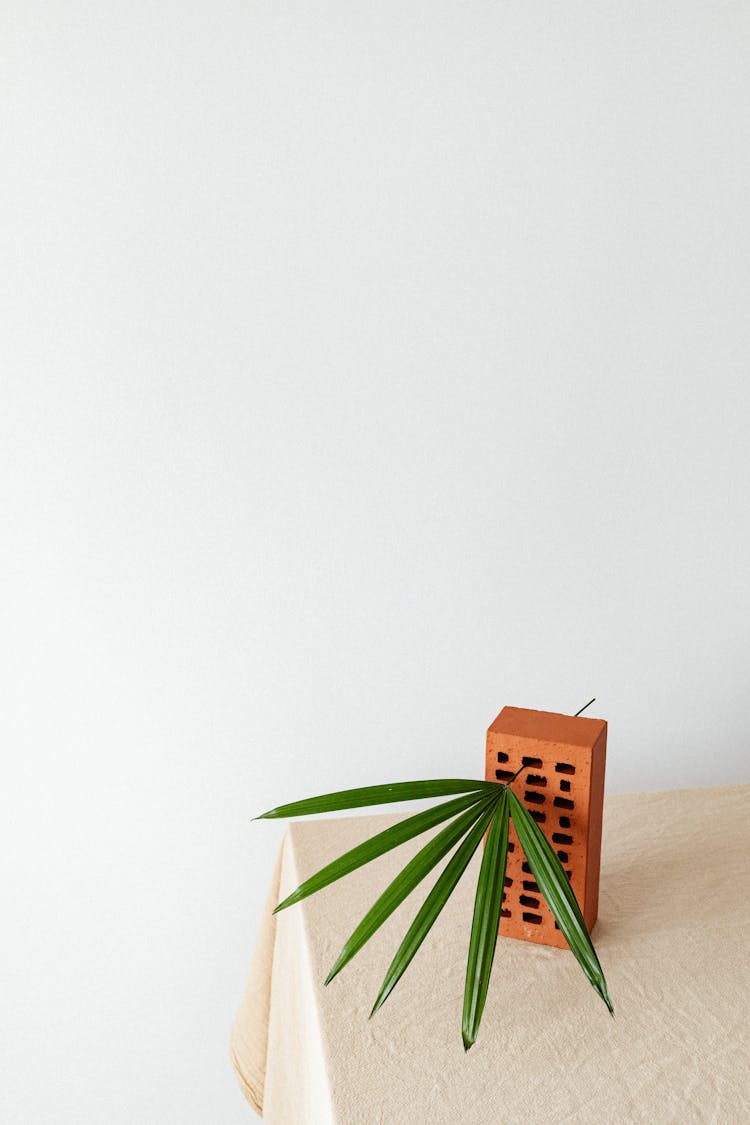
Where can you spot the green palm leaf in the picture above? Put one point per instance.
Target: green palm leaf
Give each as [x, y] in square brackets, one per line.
[404, 883]
[379, 795]
[558, 893]
[432, 906]
[486, 922]
[383, 842]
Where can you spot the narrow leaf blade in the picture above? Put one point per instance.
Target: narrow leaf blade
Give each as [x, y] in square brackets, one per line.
[554, 886]
[383, 842]
[404, 883]
[486, 922]
[379, 795]
[432, 906]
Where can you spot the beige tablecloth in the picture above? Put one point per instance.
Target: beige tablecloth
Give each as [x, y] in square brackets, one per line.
[672, 937]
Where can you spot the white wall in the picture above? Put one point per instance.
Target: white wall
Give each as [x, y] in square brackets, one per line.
[364, 368]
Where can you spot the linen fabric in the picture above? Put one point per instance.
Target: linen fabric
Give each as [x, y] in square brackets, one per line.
[671, 937]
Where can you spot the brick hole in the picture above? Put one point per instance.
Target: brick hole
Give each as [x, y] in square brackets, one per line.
[563, 803]
[569, 874]
[536, 779]
[565, 822]
[527, 900]
[565, 787]
[563, 857]
[502, 756]
[530, 885]
[564, 767]
[508, 882]
[505, 914]
[539, 817]
[503, 775]
[535, 763]
[561, 838]
[525, 867]
[556, 926]
[535, 919]
[511, 846]
[534, 798]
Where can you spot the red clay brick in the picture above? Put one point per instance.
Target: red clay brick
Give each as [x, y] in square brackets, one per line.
[565, 782]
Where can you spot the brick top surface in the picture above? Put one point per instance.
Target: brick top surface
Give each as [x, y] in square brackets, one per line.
[548, 726]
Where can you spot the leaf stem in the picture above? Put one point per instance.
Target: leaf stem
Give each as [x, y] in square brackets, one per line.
[584, 707]
[515, 775]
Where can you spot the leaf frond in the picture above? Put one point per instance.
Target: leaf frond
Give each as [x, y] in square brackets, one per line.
[486, 921]
[377, 845]
[433, 904]
[404, 883]
[379, 795]
[554, 886]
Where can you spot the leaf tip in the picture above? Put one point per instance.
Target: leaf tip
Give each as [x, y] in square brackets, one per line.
[334, 972]
[380, 1000]
[290, 900]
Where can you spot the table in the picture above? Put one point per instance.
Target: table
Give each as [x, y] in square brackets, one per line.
[671, 936]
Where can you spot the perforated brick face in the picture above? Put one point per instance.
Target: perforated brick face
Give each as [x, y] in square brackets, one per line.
[563, 788]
